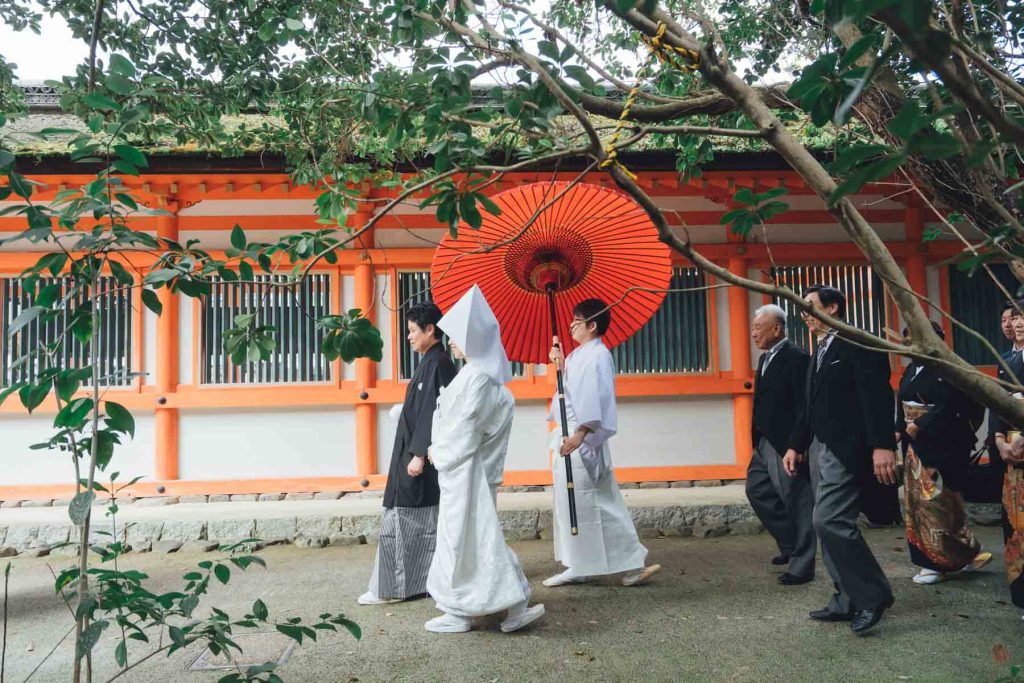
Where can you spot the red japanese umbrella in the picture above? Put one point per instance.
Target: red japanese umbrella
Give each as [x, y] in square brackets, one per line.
[552, 246]
[587, 242]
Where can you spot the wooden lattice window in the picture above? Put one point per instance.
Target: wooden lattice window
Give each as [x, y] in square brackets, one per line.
[113, 341]
[865, 296]
[676, 339]
[292, 310]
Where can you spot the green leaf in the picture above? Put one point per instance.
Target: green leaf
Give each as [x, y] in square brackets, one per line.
[238, 237]
[294, 24]
[245, 271]
[244, 320]
[549, 50]
[267, 30]
[489, 206]
[6, 158]
[259, 610]
[119, 84]
[90, 636]
[907, 121]
[470, 214]
[935, 146]
[121, 274]
[131, 155]
[121, 65]
[124, 167]
[94, 100]
[47, 296]
[119, 419]
[152, 301]
[188, 604]
[581, 76]
[74, 414]
[4, 393]
[20, 184]
[32, 395]
[222, 573]
[80, 506]
[352, 627]
[121, 654]
[24, 318]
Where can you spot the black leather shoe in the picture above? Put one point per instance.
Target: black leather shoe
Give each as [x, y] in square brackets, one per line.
[866, 619]
[780, 559]
[828, 615]
[788, 579]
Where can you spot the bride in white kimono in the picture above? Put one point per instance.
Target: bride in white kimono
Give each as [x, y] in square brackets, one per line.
[474, 572]
[607, 542]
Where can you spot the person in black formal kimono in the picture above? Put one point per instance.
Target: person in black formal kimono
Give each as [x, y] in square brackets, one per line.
[1010, 446]
[409, 526]
[785, 505]
[937, 425]
[846, 429]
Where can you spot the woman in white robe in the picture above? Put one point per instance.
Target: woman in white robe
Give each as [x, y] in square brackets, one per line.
[607, 542]
[474, 572]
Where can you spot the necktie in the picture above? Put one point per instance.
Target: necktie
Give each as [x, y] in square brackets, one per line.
[767, 359]
[822, 348]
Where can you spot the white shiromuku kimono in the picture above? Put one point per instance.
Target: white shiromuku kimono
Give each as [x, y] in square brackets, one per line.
[473, 572]
[607, 542]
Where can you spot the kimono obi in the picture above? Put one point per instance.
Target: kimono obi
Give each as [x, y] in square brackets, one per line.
[913, 410]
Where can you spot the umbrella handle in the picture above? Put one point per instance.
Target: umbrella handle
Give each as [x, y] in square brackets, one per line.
[569, 485]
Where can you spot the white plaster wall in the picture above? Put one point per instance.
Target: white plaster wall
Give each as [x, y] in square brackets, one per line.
[932, 277]
[242, 208]
[722, 311]
[528, 444]
[148, 346]
[782, 233]
[674, 431]
[185, 339]
[261, 444]
[424, 238]
[386, 428]
[20, 465]
[382, 302]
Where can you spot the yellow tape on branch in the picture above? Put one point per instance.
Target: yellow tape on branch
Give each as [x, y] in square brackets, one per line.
[656, 49]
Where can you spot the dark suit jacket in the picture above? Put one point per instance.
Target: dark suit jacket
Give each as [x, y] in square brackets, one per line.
[1016, 363]
[849, 405]
[779, 395]
[947, 433]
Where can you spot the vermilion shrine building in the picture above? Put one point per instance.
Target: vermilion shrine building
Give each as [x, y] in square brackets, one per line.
[299, 423]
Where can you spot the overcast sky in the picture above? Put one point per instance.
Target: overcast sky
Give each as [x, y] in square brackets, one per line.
[40, 57]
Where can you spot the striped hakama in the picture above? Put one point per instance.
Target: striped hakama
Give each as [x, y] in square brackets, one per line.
[404, 553]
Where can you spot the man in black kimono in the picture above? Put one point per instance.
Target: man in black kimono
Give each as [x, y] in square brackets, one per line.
[409, 525]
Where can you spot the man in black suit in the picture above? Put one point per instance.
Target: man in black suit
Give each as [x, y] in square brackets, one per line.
[847, 425]
[785, 505]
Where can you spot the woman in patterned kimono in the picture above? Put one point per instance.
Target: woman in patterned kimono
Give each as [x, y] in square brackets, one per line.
[937, 425]
[1010, 444]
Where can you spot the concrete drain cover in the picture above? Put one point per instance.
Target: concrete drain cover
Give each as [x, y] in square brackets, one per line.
[257, 648]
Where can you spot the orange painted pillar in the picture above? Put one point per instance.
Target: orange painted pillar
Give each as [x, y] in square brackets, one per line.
[166, 420]
[916, 273]
[366, 369]
[739, 347]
